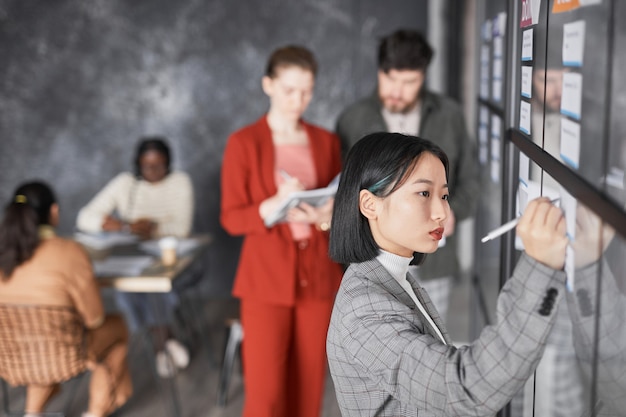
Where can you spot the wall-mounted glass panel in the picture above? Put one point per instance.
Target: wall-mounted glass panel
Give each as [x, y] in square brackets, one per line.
[563, 84]
[567, 96]
[597, 310]
[615, 179]
[492, 65]
[487, 255]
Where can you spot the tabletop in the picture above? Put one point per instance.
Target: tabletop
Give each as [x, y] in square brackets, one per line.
[137, 267]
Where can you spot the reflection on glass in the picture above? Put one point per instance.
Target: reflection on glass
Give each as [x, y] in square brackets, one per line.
[599, 323]
[615, 176]
[547, 86]
[559, 387]
[583, 369]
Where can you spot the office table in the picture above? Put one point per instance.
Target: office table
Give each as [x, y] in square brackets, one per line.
[139, 269]
[153, 276]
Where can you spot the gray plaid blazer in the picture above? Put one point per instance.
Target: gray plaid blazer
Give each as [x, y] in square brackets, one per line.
[385, 361]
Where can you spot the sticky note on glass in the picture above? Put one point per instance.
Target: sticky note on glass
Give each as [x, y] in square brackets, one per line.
[572, 95]
[524, 117]
[570, 142]
[573, 43]
[527, 45]
[527, 82]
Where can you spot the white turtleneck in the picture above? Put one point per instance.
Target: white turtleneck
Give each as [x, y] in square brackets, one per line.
[398, 267]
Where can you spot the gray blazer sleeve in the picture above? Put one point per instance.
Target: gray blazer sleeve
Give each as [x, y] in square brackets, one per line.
[384, 363]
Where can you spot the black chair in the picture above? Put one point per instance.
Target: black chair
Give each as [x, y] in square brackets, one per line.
[232, 350]
[190, 314]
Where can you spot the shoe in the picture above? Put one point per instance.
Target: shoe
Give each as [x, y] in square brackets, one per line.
[164, 365]
[178, 352]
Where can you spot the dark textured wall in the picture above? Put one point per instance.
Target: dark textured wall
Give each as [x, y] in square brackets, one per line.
[81, 81]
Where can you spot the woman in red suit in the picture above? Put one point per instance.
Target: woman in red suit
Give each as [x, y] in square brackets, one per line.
[285, 280]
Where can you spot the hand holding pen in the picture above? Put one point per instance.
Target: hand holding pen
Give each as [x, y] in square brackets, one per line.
[542, 229]
[284, 188]
[510, 225]
[289, 185]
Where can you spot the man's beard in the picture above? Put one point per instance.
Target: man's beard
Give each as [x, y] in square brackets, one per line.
[398, 107]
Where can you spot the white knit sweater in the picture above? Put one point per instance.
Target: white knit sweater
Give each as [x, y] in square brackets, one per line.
[170, 203]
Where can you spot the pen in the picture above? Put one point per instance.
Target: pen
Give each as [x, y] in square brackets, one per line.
[284, 174]
[498, 231]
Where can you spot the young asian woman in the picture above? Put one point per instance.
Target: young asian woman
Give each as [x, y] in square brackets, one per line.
[388, 350]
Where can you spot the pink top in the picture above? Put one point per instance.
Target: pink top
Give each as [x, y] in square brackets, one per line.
[297, 161]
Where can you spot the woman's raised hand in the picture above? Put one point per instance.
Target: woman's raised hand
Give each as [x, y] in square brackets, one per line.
[542, 229]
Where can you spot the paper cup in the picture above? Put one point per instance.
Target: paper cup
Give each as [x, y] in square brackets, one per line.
[168, 246]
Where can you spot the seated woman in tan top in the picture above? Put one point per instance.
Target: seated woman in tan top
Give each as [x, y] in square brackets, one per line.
[38, 268]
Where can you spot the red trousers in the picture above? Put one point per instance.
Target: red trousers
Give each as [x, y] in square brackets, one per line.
[284, 357]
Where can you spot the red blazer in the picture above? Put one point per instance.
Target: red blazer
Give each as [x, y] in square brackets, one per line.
[267, 263]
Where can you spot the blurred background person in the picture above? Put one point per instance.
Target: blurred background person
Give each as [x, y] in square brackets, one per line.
[285, 280]
[401, 103]
[152, 202]
[39, 268]
[547, 91]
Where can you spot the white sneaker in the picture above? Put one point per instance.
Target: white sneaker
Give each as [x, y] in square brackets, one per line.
[178, 352]
[164, 365]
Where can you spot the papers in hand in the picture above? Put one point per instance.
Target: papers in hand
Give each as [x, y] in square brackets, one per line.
[316, 197]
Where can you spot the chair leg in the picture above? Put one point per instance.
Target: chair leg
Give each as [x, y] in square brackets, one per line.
[76, 383]
[5, 397]
[6, 406]
[170, 382]
[235, 337]
[191, 316]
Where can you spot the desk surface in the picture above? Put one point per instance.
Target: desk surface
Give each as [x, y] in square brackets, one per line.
[156, 277]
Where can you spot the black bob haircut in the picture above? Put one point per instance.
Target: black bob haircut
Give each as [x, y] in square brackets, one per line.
[379, 162]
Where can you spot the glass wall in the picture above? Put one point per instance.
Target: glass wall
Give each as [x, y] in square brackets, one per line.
[562, 135]
[492, 50]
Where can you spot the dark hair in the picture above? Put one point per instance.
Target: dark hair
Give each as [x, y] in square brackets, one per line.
[291, 55]
[379, 162]
[404, 50]
[19, 231]
[151, 143]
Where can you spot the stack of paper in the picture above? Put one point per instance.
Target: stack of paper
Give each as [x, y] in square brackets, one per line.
[115, 266]
[104, 240]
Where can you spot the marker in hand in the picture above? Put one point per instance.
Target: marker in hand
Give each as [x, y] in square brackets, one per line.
[499, 231]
